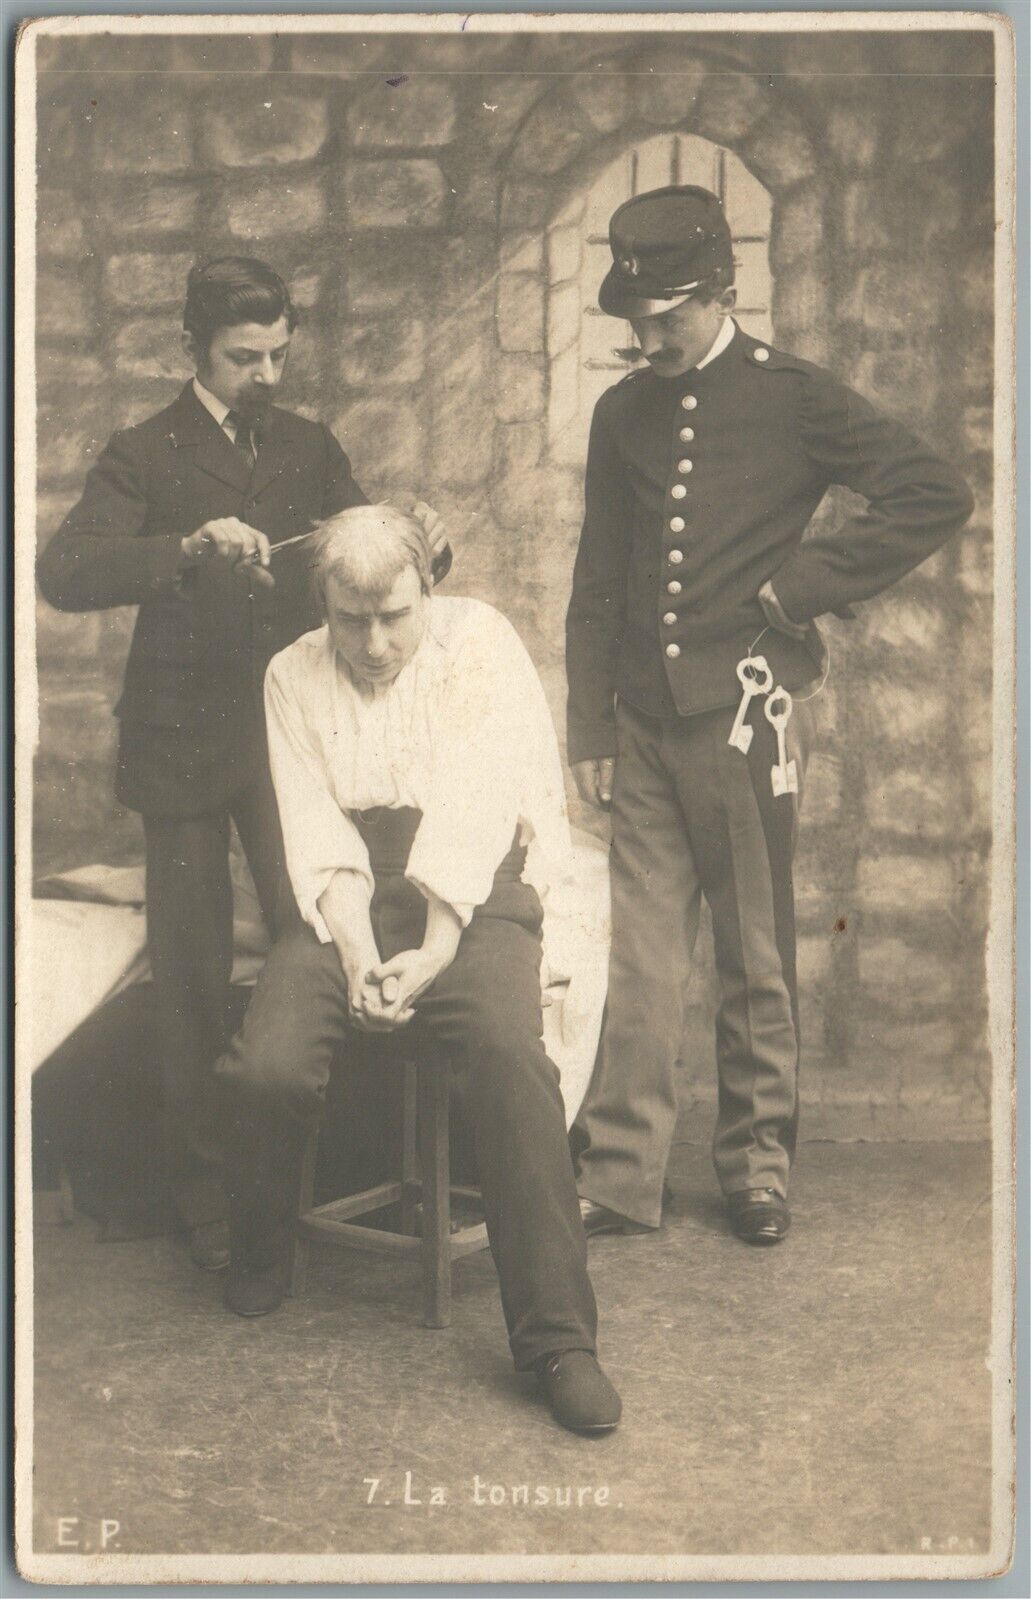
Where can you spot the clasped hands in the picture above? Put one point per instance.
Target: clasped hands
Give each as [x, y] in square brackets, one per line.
[383, 998]
[248, 552]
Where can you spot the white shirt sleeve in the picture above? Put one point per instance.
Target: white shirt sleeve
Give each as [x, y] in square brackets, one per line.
[320, 839]
[486, 734]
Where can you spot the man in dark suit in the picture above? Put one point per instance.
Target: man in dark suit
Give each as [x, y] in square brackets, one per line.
[703, 472]
[182, 515]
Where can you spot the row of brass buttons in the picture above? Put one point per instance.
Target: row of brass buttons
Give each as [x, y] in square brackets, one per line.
[678, 492]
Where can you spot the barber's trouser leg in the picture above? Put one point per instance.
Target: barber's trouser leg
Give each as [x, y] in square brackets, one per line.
[484, 1011]
[190, 944]
[256, 814]
[691, 815]
[630, 1110]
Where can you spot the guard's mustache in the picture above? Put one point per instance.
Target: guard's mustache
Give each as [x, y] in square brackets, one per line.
[634, 353]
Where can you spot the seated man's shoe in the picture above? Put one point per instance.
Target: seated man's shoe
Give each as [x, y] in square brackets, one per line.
[759, 1215]
[209, 1246]
[258, 1274]
[598, 1219]
[579, 1393]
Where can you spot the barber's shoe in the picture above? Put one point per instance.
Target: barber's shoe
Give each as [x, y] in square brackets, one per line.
[209, 1246]
[579, 1393]
[759, 1215]
[598, 1219]
[258, 1274]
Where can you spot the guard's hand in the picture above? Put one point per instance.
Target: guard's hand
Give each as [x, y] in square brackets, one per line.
[433, 527]
[594, 781]
[227, 539]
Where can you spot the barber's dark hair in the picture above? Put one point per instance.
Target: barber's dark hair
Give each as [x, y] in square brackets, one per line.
[231, 289]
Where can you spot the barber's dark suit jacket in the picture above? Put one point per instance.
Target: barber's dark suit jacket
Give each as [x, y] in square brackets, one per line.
[708, 482]
[192, 730]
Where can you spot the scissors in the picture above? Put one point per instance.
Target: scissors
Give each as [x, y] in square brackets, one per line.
[254, 558]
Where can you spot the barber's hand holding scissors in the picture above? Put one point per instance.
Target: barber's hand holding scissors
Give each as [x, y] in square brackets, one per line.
[232, 542]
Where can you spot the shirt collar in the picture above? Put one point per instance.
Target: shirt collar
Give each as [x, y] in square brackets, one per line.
[211, 402]
[728, 328]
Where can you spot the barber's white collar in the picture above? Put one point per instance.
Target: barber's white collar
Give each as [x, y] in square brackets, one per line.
[211, 402]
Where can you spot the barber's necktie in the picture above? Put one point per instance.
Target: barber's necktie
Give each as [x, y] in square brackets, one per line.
[245, 440]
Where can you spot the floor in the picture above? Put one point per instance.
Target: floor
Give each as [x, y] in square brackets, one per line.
[829, 1395]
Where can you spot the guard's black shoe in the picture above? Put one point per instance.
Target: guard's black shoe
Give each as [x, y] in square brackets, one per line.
[258, 1275]
[579, 1393]
[759, 1215]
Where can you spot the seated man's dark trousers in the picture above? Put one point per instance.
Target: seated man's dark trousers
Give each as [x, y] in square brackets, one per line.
[694, 818]
[484, 1012]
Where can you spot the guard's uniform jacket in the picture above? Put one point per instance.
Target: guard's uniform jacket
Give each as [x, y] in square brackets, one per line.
[699, 490]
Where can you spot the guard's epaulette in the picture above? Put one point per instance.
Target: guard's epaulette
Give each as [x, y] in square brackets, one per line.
[769, 359]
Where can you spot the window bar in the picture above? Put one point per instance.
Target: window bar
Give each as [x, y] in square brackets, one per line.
[674, 160]
[721, 176]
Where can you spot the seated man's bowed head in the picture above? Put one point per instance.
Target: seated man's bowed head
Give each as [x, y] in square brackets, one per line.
[414, 759]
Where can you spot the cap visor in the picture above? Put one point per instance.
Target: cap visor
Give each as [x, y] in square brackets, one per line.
[616, 298]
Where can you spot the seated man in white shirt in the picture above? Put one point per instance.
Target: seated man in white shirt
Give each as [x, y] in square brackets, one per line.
[414, 759]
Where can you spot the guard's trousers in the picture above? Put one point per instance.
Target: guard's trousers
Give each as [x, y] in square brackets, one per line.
[693, 817]
[484, 1011]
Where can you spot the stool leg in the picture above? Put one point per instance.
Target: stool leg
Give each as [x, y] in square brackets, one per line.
[409, 1168]
[434, 1095]
[305, 1201]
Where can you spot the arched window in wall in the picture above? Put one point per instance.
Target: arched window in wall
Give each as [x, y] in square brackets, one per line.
[585, 345]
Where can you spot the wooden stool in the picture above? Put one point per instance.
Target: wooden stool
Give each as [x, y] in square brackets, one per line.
[425, 1175]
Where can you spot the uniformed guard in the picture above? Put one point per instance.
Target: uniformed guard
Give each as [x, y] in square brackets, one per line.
[692, 655]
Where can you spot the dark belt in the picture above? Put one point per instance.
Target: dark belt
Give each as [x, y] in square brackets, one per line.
[389, 834]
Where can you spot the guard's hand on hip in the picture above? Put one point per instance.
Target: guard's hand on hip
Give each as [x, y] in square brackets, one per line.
[594, 781]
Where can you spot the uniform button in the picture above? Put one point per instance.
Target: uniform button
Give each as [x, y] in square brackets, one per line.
[669, 619]
[674, 587]
[672, 650]
[687, 434]
[676, 524]
[762, 355]
[689, 402]
[678, 491]
[685, 466]
[675, 557]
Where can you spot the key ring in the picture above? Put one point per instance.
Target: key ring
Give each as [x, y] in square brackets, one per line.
[754, 672]
[773, 716]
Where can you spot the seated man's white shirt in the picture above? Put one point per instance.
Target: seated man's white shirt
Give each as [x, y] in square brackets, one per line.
[463, 734]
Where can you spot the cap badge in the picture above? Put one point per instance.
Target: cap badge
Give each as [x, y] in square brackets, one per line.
[630, 265]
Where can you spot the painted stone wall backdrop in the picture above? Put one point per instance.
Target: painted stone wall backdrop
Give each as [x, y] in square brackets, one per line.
[422, 197]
